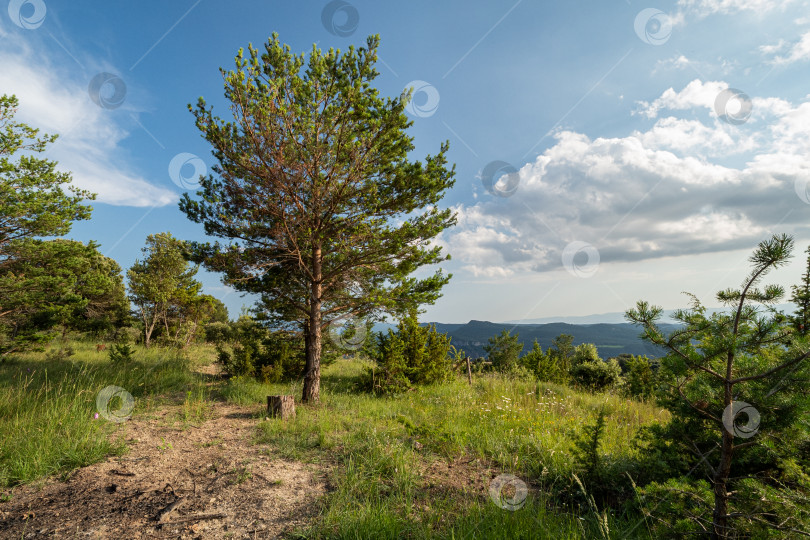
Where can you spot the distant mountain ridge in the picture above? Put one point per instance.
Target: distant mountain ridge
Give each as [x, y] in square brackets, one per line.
[610, 339]
[610, 332]
[617, 317]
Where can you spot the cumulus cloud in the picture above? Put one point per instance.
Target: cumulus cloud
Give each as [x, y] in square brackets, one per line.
[695, 94]
[665, 191]
[90, 137]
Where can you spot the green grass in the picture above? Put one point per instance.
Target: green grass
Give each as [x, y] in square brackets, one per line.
[378, 449]
[516, 426]
[48, 406]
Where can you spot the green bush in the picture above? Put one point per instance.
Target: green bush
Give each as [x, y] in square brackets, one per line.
[544, 365]
[218, 333]
[121, 351]
[503, 351]
[642, 377]
[268, 355]
[591, 372]
[412, 355]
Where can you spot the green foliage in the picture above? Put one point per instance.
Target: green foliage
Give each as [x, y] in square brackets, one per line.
[801, 298]
[267, 355]
[591, 372]
[218, 332]
[121, 352]
[414, 354]
[597, 375]
[561, 350]
[544, 365]
[62, 353]
[32, 199]
[322, 211]
[35, 200]
[749, 354]
[503, 351]
[642, 378]
[586, 454]
[163, 290]
[669, 506]
[60, 283]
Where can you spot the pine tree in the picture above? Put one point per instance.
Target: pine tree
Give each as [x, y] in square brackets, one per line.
[323, 214]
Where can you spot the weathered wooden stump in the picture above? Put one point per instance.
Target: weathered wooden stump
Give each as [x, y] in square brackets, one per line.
[281, 406]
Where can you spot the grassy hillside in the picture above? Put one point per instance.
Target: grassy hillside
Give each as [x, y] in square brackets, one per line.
[383, 450]
[414, 465]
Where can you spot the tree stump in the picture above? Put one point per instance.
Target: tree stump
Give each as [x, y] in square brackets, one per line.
[281, 406]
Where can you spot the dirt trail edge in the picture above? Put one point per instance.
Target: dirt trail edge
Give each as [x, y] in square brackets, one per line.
[203, 482]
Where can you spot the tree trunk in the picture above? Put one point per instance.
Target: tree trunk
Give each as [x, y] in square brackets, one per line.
[312, 372]
[720, 516]
[720, 525]
[147, 331]
[312, 376]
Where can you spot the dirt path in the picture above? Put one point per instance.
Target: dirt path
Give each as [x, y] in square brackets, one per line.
[194, 482]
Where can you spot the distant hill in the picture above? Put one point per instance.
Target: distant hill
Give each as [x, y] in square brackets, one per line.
[610, 332]
[610, 339]
[618, 316]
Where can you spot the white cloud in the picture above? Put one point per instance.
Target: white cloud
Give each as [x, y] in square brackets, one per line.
[703, 8]
[696, 94]
[90, 137]
[717, 67]
[770, 49]
[799, 51]
[677, 62]
[664, 191]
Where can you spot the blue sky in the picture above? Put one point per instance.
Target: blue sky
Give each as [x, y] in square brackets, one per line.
[644, 148]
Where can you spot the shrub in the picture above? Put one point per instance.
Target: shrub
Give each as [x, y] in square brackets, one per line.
[544, 365]
[586, 449]
[596, 375]
[121, 351]
[412, 355]
[63, 353]
[218, 333]
[591, 372]
[642, 380]
[503, 351]
[268, 355]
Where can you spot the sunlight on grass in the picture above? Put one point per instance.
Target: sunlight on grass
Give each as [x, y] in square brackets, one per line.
[383, 443]
[48, 410]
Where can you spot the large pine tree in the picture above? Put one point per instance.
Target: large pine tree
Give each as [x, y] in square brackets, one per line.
[324, 214]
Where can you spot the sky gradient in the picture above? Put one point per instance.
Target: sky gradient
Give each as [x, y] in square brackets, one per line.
[605, 151]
